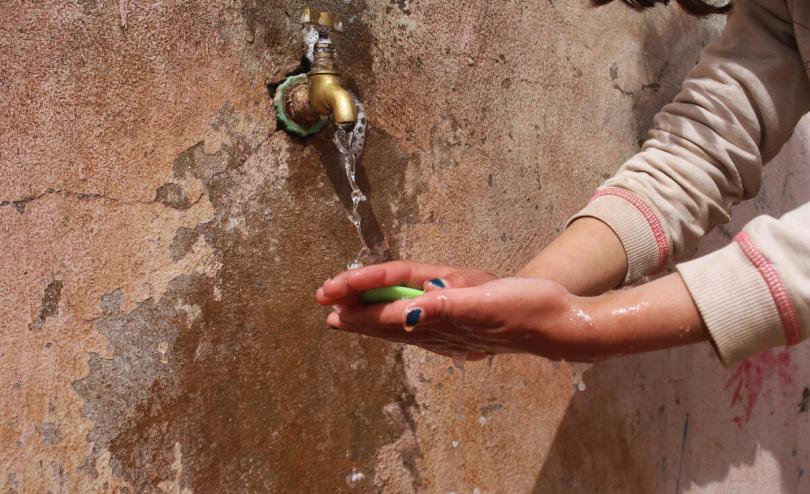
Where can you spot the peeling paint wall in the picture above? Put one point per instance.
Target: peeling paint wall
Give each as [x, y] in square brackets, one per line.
[163, 241]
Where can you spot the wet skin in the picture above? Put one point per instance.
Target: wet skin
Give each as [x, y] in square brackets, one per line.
[480, 314]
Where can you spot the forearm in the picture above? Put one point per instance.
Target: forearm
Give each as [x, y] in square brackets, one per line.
[657, 315]
[587, 259]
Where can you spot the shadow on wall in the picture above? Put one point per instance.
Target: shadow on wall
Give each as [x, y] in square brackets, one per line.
[669, 49]
[676, 421]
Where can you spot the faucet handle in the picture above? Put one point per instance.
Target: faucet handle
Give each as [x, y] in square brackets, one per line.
[322, 20]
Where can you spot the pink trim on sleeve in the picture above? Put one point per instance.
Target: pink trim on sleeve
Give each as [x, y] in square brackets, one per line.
[649, 215]
[787, 313]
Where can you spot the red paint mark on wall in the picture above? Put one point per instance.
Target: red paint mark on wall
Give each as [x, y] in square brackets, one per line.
[751, 376]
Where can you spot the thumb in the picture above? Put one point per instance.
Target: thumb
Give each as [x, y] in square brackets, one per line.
[454, 305]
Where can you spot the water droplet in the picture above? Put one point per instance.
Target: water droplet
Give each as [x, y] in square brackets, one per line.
[577, 370]
[357, 196]
[354, 478]
[459, 358]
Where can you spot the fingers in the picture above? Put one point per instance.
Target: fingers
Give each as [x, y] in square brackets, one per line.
[399, 336]
[392, 332]
[435, 284]
[446, 319]
[473, 306]
[458, 279]
[383, 316]
[462, 306]
[346, 286]
[333, 320]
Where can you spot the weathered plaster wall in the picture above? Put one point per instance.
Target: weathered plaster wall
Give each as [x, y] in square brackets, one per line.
[162, 244]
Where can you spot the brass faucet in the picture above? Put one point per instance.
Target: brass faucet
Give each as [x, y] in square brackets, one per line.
[326, 94]
[308, 102]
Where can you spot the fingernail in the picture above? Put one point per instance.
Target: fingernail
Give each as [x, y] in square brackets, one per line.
[437, 283]
[412, 318]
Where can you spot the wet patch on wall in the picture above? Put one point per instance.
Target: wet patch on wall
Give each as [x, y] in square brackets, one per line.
[133, 396]
[223, 383]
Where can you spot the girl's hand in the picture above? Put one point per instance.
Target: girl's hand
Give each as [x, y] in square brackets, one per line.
[535, 316]
[345, 288]
[343, 291]
[509, 315]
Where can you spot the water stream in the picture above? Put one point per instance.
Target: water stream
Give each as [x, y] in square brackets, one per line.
[350, 145]
[459, 359]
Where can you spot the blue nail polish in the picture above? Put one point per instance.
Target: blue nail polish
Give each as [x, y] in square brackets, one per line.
[413, 316]
[437, 282]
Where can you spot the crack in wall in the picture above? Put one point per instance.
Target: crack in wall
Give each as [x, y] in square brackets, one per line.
[21, 204]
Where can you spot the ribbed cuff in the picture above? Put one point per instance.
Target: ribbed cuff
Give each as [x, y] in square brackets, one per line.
[632, 226]
[735, 303]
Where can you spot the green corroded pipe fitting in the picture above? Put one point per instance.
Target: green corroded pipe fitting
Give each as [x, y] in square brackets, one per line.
[389, 294]
[280, 101]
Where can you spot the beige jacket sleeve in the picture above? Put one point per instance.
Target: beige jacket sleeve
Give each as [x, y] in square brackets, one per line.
[734, 112]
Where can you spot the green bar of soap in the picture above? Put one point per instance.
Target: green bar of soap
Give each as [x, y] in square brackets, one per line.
[389, 294]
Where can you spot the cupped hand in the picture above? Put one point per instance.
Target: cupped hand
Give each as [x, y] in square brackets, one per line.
[509, 315]
[343, 291]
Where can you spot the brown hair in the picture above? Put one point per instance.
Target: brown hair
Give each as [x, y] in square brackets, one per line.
[694, 7]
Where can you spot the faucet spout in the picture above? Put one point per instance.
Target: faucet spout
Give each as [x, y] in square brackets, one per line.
[326, 93]
[327, 96]
[305, 103]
